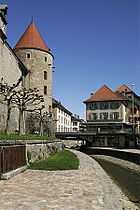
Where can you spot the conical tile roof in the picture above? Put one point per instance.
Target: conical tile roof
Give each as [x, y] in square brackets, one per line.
[104, 94]
[31, 39]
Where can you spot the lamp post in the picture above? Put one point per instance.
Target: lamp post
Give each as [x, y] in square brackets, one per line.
[133, 125]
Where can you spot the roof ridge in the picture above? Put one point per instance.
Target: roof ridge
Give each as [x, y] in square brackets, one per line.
[122, 87]
[104, 94]
[108, 88]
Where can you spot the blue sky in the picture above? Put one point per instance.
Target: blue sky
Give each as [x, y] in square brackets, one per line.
[94, 42]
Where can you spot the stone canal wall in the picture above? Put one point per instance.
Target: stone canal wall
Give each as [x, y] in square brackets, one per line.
[125, 175]
[125, 154]
[119, 162]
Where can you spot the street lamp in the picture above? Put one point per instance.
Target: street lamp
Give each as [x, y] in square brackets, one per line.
[133, 125]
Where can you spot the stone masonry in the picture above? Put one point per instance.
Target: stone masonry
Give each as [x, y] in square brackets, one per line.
[10, 72]
[36, 64]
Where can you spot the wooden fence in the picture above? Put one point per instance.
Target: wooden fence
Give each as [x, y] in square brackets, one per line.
[12, 157]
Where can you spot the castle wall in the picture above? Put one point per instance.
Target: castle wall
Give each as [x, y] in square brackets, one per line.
[38, 63]
[10, 72]
[9, 67]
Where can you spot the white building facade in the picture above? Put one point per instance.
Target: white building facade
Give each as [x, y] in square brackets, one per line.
[62, 117]
[77, 124]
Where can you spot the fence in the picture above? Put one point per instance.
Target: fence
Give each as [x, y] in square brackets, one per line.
[12, 157]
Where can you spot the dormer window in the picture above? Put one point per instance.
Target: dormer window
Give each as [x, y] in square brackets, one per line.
[28, 55]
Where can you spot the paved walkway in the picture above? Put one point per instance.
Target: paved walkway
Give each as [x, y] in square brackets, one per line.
[86, 188]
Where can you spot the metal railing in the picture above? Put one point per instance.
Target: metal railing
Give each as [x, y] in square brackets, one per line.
[70, 130]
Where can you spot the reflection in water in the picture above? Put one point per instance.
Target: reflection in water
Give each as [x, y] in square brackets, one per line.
[127, 180]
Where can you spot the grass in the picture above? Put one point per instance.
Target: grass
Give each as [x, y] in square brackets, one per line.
[63, 160]
[24, 137]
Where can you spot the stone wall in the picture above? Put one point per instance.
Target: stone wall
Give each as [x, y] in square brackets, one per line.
[36, 149]
[71, 143]
[9, 65]
[10, 72]
[37, 64]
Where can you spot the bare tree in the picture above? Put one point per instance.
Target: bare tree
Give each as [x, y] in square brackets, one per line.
[41, 117]
[7, 93]
[26, 100]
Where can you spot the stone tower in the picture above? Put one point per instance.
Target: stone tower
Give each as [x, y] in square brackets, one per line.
[36, 56]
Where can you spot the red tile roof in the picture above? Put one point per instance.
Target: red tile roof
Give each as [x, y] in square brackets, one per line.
[105, 94]
[31, 39]
[54, 101]
[123, 88]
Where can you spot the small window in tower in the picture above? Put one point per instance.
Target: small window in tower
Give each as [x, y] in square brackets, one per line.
[45, 59]
[28, 55]
[45, 90]
[50, 109]
[45, 75]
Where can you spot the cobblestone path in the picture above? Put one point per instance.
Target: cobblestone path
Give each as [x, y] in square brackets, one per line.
[86, 188]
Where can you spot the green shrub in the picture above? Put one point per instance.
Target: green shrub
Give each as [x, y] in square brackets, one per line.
[39, 158]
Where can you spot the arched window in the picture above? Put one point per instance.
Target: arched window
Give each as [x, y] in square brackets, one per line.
[28, 55]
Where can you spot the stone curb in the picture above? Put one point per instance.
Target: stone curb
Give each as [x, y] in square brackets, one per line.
[12, 173]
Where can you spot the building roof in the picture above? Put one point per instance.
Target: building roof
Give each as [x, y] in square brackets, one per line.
[125, 91]
[54, 101]
[105, 94]
[60, 106]
[123, 88]
[31, 39]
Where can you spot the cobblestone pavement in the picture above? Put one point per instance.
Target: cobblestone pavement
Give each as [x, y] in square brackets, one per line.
[86, 188]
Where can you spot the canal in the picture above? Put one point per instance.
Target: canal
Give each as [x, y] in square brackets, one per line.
[128, 181]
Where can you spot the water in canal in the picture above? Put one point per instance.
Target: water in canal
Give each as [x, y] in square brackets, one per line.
[128, 181]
